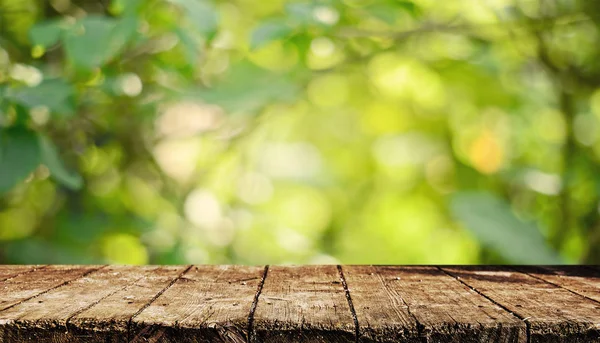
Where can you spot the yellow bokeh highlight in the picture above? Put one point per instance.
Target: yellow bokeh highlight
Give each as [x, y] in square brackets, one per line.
[329, 90]
[37, 51]
[305, 210]
[276, 56]
[122, 248]
[17, 223]
[382, 118]
[486, 153]
[550, 126]
[400, 78]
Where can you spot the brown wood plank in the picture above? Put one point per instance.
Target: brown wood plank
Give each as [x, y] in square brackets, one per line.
[412, 304]
[27, 285]
[577, 279]
[108, 321]
[553, 314]
[45, 318]
[11, 271]
[206, 304]
[303, 304]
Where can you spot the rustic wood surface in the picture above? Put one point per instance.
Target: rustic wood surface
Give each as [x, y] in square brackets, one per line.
[59, 304]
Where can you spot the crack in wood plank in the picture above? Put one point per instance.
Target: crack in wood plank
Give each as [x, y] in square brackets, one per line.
[25, 271]
[129, 338]
[54, 287]
[491, 300]
[554, 284]
[251, 334]
[350, 304]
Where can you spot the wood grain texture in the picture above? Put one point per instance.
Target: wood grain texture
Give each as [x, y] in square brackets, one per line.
[189, 304]
[303, 304]
[108, 320]
[11, 271]
[27, 285]
[577, 279]
[413, 304]
[47, 317]
[553, 314]
[206, 304]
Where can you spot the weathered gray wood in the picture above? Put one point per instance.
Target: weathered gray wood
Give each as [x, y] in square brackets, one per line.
[303, 304]
[46, 318]
[577, 279]
[552, 313]
[27, 285]
[206, 304]
[409, 304]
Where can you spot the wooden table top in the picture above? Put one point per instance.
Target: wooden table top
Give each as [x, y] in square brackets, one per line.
[299, 304]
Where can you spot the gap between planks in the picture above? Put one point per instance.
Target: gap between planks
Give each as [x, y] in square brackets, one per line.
[129, 338]
[350, 304]
[54, 287]
[528, 326]
[250, 334]
[555, 284]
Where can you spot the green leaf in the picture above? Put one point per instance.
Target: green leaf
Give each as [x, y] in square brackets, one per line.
[301, 13]
[409, 7]
[19, 156]
[127, 7]
[95, 40]
[190, 45]
[202, 14]
[493, 223]
[247, 88]
[268, 32]
[52, 160]
[56, 94]
[46, 33]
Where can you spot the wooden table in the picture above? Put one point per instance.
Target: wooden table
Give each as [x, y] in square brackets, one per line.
[299, 304]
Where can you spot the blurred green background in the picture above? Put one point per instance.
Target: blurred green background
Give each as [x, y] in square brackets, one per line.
[334, 131]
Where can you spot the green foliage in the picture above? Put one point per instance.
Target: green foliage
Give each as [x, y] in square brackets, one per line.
[334, 131]
[56, 94]
[493, 223]
[19, 156]
[52, 160]
[109, 37]
[269, 31]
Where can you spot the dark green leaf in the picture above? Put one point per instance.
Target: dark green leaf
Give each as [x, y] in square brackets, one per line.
[56, 94]
[46, 33]
[269, 31]
[96, 40]
[52, 160]
[493, 223]
[19, 156]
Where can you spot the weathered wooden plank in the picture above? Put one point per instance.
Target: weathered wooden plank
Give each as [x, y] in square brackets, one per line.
[577, 279]
[303, 304]
[206, 304]
[11, 271]
[108, 320]
[46, 317]
[412, 304]
[553, 314]
[27, 285]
